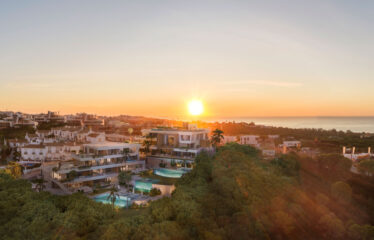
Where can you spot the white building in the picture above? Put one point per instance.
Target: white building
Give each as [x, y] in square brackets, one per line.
[43, 133]
[33, 138]
[114, 137]
[17, 143]
[291, 144]
[351, 153]
[95, 137]
[49, 151]
[273, 136]
[249, 140]
[33, 152]
[229, 139]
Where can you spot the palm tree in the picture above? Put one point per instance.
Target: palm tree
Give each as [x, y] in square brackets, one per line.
[217, 137]
[113, 195]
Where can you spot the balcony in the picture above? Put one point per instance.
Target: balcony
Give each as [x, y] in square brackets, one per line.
[92, 178]
[90, 168]
[89, 157]
[170, 157]
[104, 166]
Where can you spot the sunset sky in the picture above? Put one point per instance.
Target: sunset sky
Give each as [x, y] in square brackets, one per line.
[241, 58]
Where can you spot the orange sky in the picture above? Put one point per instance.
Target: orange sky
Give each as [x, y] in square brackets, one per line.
[258, 58]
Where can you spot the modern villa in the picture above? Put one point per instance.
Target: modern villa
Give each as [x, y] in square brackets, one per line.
[173, 147]
[99, 163]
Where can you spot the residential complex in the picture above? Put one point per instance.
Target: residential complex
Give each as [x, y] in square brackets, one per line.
[99, 163]
[171, 147]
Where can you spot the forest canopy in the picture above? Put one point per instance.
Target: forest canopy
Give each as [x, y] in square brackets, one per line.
[232, 195]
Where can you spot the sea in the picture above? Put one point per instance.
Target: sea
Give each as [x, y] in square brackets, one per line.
[354, 124]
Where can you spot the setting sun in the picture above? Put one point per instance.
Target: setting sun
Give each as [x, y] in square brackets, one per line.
[195, 107]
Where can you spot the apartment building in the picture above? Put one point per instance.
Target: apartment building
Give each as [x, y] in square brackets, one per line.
[175, 146]
[229, 139]
[33, 152]
[99, 163]
[252, 140]
[49, 151]
[17, 143]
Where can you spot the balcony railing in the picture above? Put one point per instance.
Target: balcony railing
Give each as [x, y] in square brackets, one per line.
[172, 157]
[90, 168]
[90, 157]
[94, 177]
[104, 166]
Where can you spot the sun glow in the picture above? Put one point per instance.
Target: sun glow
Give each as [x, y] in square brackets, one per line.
[195, 107]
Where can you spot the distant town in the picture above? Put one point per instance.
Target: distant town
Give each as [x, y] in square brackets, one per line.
[85, 152]
[128, 162]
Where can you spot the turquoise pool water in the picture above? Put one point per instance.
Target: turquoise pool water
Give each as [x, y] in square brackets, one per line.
[143, 185]
[170, 173]
[121, 201]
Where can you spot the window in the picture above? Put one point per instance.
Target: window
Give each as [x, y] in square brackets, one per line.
[185, 137]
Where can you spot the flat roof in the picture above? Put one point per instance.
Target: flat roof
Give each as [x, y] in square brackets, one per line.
[175, 130]
[109, 145]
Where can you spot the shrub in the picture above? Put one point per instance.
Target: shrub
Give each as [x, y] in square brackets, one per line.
[154, 192]
[341, 191]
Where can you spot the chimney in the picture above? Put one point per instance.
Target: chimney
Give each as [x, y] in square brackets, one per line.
[353, 150]
[344, 148]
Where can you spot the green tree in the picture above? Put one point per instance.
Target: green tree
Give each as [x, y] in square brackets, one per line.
[366, 167]
[154, 192]
[288, 164]
[217, 137]
[334, 167]
[71, 175]
[14, 169]
[331, 226]
[341, 191]
[124, 178]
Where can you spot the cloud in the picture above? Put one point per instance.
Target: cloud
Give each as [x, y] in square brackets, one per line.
[235, 90]
[264, 83]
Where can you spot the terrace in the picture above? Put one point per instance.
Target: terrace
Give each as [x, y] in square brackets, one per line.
[93, 177]
[92, 156]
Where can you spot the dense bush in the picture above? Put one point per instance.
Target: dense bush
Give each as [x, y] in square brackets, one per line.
[154, 192]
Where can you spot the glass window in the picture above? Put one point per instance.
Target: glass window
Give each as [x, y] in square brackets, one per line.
[185, 137]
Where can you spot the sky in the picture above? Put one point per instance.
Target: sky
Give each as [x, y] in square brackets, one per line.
[241, 58]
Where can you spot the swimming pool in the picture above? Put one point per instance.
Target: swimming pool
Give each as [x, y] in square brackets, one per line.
[121, 201]
[170, 173]
[144, 185]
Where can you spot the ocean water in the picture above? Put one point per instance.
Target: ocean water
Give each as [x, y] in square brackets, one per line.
[354, 124]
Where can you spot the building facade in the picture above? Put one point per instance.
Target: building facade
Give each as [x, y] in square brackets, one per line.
[172, 147]
[98, 164]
